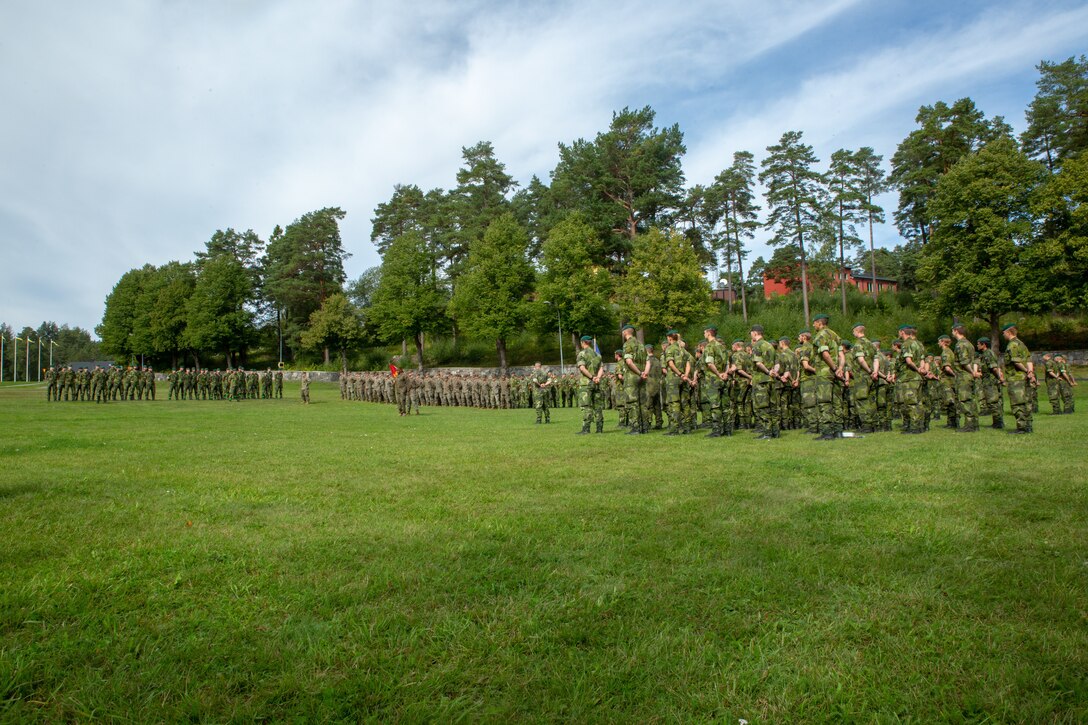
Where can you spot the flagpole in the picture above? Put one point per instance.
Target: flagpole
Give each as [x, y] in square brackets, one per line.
[15, 361]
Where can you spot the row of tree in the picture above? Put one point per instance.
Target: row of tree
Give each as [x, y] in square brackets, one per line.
[990, 226]
[55, 344]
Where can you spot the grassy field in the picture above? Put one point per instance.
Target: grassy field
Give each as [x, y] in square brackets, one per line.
[271, 561]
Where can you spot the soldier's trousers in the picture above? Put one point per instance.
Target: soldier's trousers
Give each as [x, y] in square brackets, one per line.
[809, 408]
[1054, 393]
[992, 402]
[634, 388]
[712, 392]
[862, 393]
[540, 404]
[913, 406]
[591, 401]
[947, 402]
[653, 404]
[1020, 402]
[966, 402]
[1067, 395]
[828, 405]
[672, 401]
[764, 407]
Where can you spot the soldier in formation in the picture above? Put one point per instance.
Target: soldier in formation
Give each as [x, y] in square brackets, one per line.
[100, 385]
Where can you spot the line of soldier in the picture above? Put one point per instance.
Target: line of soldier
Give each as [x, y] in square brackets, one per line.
[825, 385]
[100, 385]
[234, 384]
[476, 390]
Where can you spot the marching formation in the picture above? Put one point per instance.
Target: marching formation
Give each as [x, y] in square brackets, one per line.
[823, 384]
[100, 385]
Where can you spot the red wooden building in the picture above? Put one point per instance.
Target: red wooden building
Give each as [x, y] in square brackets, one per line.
[863, 282]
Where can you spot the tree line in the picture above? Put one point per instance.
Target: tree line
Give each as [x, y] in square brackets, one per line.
[991, 224]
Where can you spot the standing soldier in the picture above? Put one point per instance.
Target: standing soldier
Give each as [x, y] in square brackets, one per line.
[1053, 378]
[1020, 377]
[947, 389]
[740, 376]
[1066, 383]
[589, 386]
[717, 365]
[50, 385]
[909, 380]
[882, 389]
[636, 370]
[676, 375]
[993, 378]
[966, 376]
[830, 374]
[304, 387]
[788, 381]
[541, 385]
[279, 383]
[653, 389]
[764, 376]
[807, 359]
[619, 400]
[863, 386]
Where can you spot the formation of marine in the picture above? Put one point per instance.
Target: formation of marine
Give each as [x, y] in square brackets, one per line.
[411, 389]
[820, 383]
[234, 384]
[100, 385]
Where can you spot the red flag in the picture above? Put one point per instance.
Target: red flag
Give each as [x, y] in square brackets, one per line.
[393, 369]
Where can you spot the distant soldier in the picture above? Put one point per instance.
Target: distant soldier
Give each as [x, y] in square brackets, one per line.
[863, 385]
[830, 363]
[909, 380]
[764, 377]
[304, 387]
[1020, 378]
[967, 375]
[541, 385]
[993, 379]
[1053, 383]
[590, 401]
[947, 390]
[789, 368]
[279, 383]
[1066, 383]
[50, 385]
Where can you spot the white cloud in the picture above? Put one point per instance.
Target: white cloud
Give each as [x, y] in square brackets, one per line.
[140, 128]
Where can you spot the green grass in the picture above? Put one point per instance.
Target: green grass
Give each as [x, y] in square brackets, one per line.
[271, 561]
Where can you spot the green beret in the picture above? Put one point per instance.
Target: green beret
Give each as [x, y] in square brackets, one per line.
[944, 337]
[587, 338]
[712, 328]
[959, 326]
[804, 332]
[906, 327]
[738, 342]
[627, 327]
[1008, 326]
[649, 346]
[857, 325]
[783, 339]
[821, 316]
[619, 352]
[757, 328]
[671, 332]
[984, 340]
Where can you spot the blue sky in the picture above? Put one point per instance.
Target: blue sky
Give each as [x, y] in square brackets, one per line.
[134, 130]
